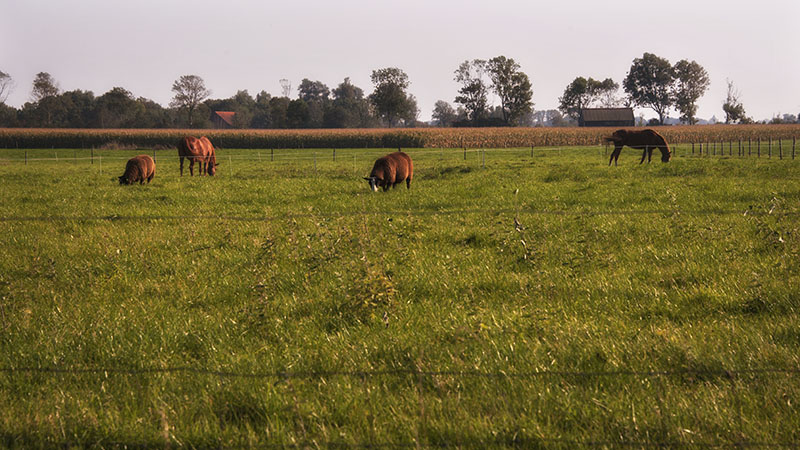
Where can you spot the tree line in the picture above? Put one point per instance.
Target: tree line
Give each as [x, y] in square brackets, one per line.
[652, 82]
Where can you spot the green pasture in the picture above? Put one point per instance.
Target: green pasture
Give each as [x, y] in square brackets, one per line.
[506, 299]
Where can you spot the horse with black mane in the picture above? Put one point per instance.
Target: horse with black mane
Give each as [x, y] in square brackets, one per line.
[645, 140]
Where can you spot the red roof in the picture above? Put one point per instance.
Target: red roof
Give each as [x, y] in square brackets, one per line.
[227, 116]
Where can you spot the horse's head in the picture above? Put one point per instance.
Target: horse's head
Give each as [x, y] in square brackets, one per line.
[666, 155]
[212, 168]
[124, 180]
[373, 183]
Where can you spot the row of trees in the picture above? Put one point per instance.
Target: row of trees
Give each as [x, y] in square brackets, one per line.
[652, 82]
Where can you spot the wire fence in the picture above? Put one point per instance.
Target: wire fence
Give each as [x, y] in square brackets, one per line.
[751, 148]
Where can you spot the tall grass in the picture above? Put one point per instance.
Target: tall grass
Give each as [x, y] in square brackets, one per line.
[544, 301]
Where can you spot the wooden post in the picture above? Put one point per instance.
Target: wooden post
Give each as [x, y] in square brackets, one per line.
[749, 146]
[483, 158]
[26, 157]
[465, 153]
[715, 150]
[92, 155]
[794, 143]
[334, 155]
[780, 149]
[315, 162]
[769, 147]
[154, 155]
[531, 151]
[740, 148]
[230, 164]
[701, 149]
[692, 148]
[730, 148]
[758, 145]
[271, 154]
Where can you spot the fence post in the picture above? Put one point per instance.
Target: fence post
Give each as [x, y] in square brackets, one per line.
[692, 148]
[749, 146]
[465, 153]
[483, 158]
[740, 148]
[315, 162]
[531, 151]
[334, 155]
[715, 150]
[769, 147]
[26, 156]
[92, 155]
[758, 145]
[271, 154]
[730, 148]
[780, 149]
[230, 164]
[794, 143]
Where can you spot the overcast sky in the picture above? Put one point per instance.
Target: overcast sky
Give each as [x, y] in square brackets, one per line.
[145, 45]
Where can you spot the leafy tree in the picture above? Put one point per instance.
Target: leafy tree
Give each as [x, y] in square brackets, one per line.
[473, 92]
[649, 84]
[6, 85]
[691, 82]
[734, 110]
[391, 101]
[297, 114]
[262, 113]
[512, 86]
[584, 93]
[311, 91]
[44, 85]
[118, 109]
[349, 108]
[443, 114]
[8, 116]
[151, 115]
[190, 91]
[279, 107]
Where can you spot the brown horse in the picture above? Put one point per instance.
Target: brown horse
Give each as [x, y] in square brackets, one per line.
[198, 150]
[389, 170]
[645, 140]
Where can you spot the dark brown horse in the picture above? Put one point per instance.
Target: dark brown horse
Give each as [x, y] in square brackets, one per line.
[198, 150]
[645, 140]
[389, 170]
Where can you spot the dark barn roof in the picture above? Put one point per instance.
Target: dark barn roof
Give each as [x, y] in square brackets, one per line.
[607, 117]
[222, 119]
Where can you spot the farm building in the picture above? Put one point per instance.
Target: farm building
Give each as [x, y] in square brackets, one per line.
[222, 119]
[606, 117]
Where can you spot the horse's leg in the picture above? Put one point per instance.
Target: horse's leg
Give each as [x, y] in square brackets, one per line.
[181, 165]
[408, 183]
[615, 155]
[644, 153]
[649, 154]
[191, 166]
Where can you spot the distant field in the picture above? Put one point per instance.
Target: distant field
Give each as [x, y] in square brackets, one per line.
[505, 300]
[381, 138]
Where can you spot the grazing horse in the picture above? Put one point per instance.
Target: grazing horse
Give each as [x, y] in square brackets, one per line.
[139, 168]
[645, 140]
[199, 150]
[391, 169]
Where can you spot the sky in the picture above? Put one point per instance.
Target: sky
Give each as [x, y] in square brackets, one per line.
[145, 45]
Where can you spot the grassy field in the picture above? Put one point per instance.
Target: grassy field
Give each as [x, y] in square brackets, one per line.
[506, 299]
